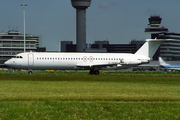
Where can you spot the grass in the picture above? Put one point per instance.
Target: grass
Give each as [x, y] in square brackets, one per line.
[114, 95]
[90, 88]
[86, 72]
[88, 110]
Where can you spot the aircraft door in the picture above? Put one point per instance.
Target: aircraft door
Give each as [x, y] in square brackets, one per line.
[30, 59]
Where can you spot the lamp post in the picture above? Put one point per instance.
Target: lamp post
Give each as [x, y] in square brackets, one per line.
[24, 5]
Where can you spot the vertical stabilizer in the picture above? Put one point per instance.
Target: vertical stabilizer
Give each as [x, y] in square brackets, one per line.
[162, 62]
[150, 47]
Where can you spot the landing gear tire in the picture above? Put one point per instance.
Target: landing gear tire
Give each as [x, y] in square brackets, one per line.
[91, 72]
[96, 72]
[30, 72]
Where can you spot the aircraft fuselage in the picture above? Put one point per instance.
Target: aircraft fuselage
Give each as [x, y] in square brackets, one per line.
[75, 61]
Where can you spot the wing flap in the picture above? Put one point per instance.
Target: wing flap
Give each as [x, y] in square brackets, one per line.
[96, 65]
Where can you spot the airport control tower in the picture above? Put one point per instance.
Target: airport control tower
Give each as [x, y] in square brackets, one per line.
[154, 27]
[80, 6]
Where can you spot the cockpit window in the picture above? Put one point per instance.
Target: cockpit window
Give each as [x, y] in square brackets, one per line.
[18, 57]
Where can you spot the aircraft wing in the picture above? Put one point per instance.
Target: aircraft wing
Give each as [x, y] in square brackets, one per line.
[95, 65]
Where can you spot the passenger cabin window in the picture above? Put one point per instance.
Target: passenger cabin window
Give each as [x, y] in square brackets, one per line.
[18, 57]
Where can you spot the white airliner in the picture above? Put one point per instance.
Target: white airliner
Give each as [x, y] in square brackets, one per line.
[84, 61]
[168, 66]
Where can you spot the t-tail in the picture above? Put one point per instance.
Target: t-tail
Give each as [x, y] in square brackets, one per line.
[150, 47]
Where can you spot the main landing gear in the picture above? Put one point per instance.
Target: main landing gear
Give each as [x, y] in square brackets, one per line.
[95, 72]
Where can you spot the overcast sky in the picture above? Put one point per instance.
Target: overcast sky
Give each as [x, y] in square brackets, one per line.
[118, 21]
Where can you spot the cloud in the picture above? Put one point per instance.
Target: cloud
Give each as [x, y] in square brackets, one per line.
[107, 4]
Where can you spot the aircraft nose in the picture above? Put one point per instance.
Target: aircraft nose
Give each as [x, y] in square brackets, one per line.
[8, 62]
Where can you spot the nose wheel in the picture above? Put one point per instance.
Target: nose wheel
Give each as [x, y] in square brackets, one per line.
[30, 72]
[94, 72]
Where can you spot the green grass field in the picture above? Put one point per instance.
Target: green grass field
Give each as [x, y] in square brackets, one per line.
[78, 95]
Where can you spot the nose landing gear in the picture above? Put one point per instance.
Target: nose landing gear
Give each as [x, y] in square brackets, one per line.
[29, 72]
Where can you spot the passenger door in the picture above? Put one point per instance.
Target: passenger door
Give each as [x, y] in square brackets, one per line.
[30, 59]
